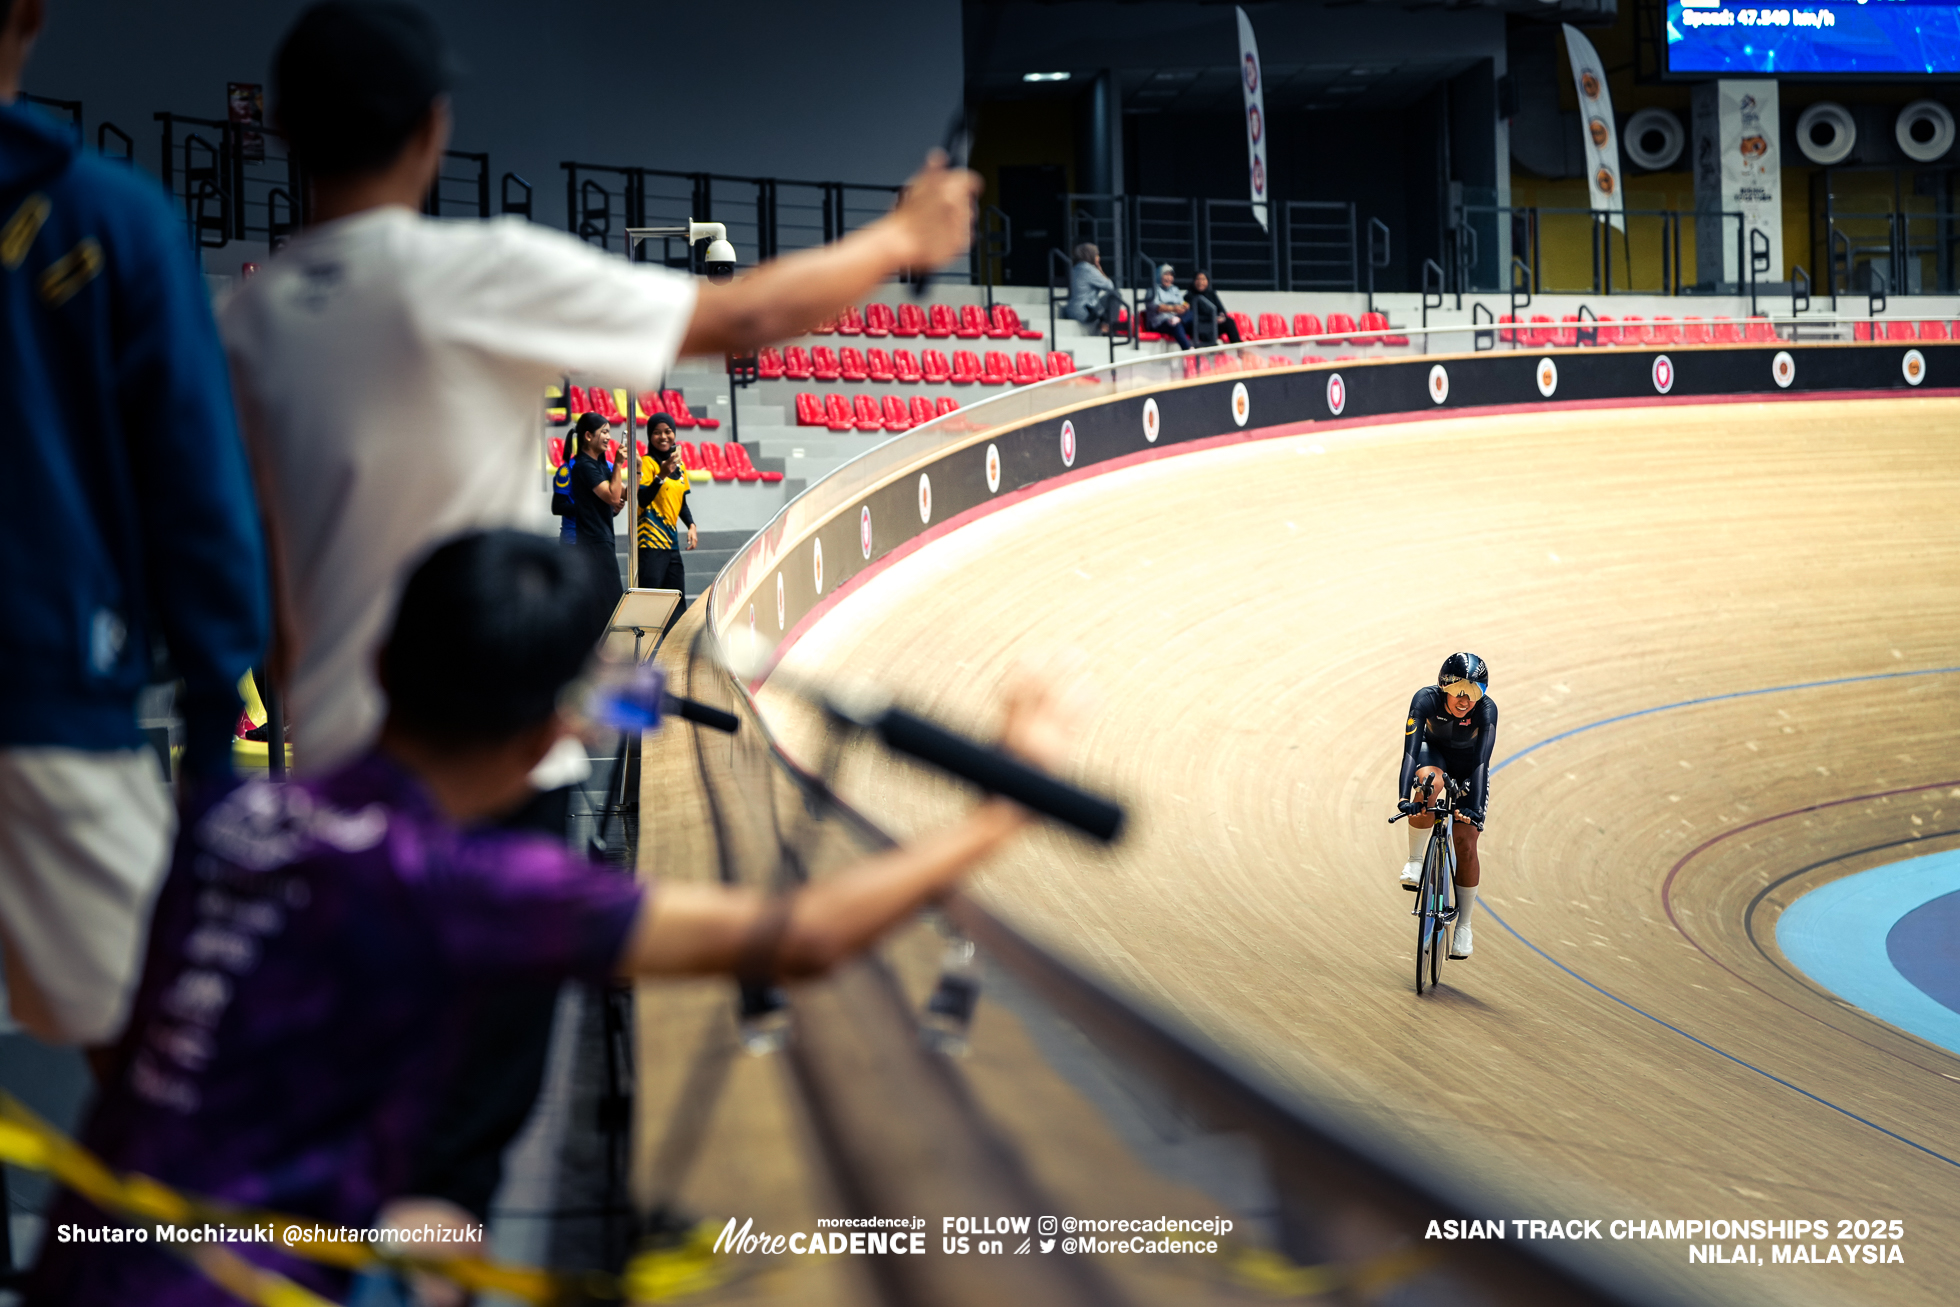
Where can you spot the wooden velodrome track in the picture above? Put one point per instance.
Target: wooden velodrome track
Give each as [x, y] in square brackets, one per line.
[1628, 1041]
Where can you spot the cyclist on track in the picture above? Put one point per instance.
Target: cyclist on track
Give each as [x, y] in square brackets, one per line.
[1452, 730]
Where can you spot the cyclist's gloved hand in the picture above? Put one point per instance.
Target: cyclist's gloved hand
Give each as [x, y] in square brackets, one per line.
[1474, 816]
[1408, 807]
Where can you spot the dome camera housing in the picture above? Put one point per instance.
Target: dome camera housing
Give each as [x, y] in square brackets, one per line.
[720, 261]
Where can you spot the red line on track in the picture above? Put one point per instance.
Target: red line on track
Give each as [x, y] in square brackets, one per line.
[1667, 901]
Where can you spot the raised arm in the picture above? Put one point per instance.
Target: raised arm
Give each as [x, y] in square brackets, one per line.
[785, 297]
[701, 929]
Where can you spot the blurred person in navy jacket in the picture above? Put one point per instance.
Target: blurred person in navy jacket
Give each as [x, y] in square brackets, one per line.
[127, 524]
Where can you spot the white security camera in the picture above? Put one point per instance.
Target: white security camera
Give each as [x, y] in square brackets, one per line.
[720, 256]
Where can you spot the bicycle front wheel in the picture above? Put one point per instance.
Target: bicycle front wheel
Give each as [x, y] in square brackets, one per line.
[1429, 923]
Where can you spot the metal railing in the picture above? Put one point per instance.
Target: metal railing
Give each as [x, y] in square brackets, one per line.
[1305, 246]
[235, 183]
[461, 187]
[765, 216]
[1644, 259]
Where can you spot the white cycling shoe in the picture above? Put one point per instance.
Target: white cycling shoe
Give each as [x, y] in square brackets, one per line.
[1411, 875]
[1460, 941]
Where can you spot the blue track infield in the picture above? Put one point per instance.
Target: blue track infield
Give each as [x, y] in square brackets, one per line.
[1887, 940]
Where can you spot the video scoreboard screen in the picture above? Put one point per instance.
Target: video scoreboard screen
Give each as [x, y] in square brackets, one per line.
[1870, 37]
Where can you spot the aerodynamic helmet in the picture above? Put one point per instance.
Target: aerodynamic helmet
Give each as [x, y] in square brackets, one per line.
[1464, 673]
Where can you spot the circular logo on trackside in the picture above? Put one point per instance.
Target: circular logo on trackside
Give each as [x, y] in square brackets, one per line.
[1241, 403]
[1547, 377]
[1439, 384]
[1783, 369]
[1663, 374]
[1914, 366]
[1152, 423]
[864, 534]
[817, 554]
[925, 498]
[1336, 394]
[1068, 444]
[993, 470]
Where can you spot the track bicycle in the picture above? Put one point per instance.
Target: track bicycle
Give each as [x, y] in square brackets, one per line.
[1435, 905]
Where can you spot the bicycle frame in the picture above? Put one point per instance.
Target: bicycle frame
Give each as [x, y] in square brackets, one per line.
[1435, 906]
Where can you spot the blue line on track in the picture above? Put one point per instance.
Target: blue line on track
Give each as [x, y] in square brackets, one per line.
[1635, 1008]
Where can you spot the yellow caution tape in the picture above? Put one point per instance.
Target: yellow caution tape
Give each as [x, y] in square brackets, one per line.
[1271, 1275]
[657, 1275]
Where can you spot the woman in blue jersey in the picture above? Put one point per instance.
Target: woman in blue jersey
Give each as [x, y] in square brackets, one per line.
[561, 480]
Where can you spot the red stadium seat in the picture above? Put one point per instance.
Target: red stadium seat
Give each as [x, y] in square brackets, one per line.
[1758, 331]
[1664, 331]
[738, 458]
[1567, 334]
[1538, 337]
[972, 323]
[1861, 331]
[1933, 331]
[922, 410]
[809, 413]
[555, 448]
[1506, 335]
[997, 327]
[905, 368]
[1605, 333]
[897, 416]
[1900, 330]
[1307, 324]
[911, 321]
[1272, 326]
[1725, 331]
[934, 367]
[1341, 328]
[717, 462]
[939, 322]
[692, 456]
[581, 402]
[867, 414]
[827, 328]
[769, 363]
[849, 322]
[796, 363]
[879, 320]
[966, 367]
[1309, 359]
[1006, 315]
[1633, 330]
[943, 405]
[878, 365]
[677, 406]
[1694, 331]
[1028, 368]
[997, 369]
[823, 363]
[1244, 323]
[850, 364]
[837, 412]
[1060, 363]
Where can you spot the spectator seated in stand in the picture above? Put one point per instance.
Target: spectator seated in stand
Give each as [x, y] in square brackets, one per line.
[1092, 296]
[1169, 313]
[1227, 326]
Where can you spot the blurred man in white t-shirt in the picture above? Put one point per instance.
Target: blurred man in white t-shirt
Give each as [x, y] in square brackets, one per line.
[390, 372]
[391, 367]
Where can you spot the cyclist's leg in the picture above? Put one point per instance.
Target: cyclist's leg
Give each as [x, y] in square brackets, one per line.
[1419, 824]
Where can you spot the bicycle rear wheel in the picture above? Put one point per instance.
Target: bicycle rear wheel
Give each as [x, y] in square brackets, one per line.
[1429, 925]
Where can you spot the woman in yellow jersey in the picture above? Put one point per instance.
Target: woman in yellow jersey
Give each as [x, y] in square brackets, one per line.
[663, 510]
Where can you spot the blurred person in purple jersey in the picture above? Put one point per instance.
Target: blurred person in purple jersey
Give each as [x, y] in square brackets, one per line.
[313, 941]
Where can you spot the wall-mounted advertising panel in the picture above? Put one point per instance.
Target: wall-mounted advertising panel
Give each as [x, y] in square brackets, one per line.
[1889, 38]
